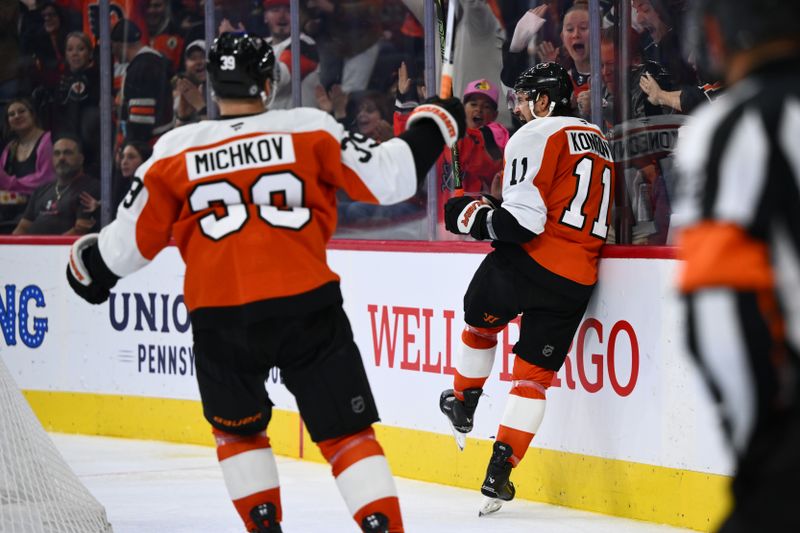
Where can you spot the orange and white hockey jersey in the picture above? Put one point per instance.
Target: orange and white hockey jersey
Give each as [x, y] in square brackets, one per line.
[558, 183]
[251, 204]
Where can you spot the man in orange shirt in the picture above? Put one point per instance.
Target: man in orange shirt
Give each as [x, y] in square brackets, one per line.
[547, 234]
[250, 201]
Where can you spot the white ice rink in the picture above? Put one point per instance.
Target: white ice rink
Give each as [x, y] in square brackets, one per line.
[153, 487]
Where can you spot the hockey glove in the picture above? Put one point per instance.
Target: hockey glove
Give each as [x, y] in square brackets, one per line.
[448, 115]
[466, 215]
[78, 271]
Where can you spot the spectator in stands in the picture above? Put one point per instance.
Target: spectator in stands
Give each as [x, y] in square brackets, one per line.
[683, 100]
[132, 155]
[25, 163]
[54, 208]
[481, 149]
[190, 85]
[191, 20]
[333, 102]
[638, 107]
[608, 78]
[479, 39]
[77, 99]
[368, 116]
[9, 52]
[276, 17]
[132, 10]
[348, 34]
[530, 27]
[661, 42]
[146, 91]
[165, 34]
[371, 115]
[48, 47]
[575, 39]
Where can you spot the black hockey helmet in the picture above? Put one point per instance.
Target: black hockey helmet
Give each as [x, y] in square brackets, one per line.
[549, 78]
[239, 64]
[744, 24]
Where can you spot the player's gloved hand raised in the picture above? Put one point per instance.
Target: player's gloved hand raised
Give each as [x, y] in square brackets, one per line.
[466, 215]
[78, 275]
[448, 114]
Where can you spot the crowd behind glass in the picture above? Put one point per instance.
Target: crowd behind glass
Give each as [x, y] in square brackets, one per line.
[363, 61]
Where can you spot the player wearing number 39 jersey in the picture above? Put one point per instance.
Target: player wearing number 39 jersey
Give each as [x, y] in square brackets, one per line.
[547, 233]
[250, 201]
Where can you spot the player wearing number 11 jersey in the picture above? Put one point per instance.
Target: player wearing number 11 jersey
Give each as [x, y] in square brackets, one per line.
[547, 233]
[251, 203]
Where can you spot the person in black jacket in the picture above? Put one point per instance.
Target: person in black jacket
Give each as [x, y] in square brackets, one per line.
[146, 92]
[76, 100]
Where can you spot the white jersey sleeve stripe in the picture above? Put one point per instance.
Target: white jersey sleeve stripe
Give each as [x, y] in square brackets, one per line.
[117, 241]
[523, 160]
[387, 169]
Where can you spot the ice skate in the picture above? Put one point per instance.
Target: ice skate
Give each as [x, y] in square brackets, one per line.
[460, 414]
[497, 487]
[264, 516]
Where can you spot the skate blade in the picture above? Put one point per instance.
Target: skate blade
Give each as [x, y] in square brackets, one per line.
[461, 438]
[490, 505]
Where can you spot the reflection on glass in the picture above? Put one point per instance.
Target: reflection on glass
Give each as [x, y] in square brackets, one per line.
[362, 61]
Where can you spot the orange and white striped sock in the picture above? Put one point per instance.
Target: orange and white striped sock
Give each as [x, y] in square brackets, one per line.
[363, 477]
[250, 473]
[474, 362]
[525, 407]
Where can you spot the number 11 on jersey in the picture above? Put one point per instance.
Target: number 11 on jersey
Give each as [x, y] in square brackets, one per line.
[574, 215]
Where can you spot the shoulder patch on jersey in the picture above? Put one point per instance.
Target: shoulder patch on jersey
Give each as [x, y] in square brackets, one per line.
[248, 152]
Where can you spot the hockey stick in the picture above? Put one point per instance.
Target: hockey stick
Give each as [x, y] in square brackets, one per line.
[447, 46]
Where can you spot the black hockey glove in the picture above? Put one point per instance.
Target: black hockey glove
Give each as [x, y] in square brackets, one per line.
[86, 273]
[447, 114]
[466, 215]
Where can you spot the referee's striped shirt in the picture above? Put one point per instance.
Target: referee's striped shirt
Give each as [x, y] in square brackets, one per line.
[738, 220]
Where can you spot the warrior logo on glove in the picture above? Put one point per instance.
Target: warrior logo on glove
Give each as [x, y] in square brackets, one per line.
[466, 215]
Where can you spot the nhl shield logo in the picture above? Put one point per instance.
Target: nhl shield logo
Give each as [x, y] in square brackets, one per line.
[358, 405]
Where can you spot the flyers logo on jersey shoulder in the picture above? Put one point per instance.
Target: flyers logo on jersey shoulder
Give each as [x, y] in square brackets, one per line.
[583, 141]
[250, 152]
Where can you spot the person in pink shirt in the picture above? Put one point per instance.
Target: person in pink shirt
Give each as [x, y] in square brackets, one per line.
[25, 163]
[481, 150]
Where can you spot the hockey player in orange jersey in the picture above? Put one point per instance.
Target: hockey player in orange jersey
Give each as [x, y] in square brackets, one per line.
[547, 233]
[250, 201]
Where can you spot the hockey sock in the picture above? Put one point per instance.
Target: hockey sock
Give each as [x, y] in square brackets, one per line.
[250, 473]
[476, 359]
[363, 477]
[525, 407]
